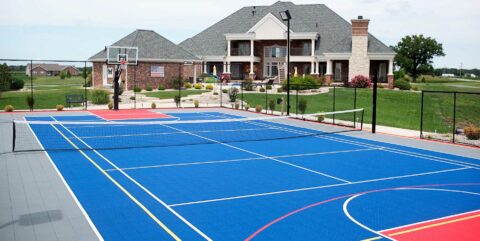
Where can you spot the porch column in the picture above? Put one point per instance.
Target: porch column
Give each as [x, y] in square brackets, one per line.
[194, 73]
[313, 47]
[205, 67]
[228, 47]
[317, 72]
[251, 47]
[390, 78]
[228, 67]
[224, 70]
[312, 68]
[329, 73]
[251, 67]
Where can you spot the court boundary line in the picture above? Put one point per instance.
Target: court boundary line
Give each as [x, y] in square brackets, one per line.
[388, 149]
[242, 159]
[317, 187]
[69, 189]
[388, 236]
[142, 187]
[261, 155]
[124, 190]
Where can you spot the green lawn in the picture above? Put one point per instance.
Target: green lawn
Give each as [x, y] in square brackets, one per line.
[47, 92]
[395, 108]
[170, 94]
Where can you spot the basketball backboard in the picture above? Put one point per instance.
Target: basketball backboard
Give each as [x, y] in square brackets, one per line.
[118, 54]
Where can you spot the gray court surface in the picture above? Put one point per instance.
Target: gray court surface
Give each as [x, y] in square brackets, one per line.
[35, 203]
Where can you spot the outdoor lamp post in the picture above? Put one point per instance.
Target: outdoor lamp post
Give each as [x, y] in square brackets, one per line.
[285, 15]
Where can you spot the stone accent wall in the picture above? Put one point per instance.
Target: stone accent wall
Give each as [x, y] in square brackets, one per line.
[359, 61]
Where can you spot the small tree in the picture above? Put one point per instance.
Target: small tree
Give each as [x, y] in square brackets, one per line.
[5, 77]
[248, 85]
[69, 75]
[177, 83]
[302, 105]
[415, 54]
[177, 100]
[62, 75]
[30, 101]
[271, 105]
[232, 93]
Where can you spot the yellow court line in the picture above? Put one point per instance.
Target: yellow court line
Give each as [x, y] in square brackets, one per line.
[424, 227]
[434, 225]
[174, 236]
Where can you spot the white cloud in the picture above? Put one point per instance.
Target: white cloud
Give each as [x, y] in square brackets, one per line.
[453, 23]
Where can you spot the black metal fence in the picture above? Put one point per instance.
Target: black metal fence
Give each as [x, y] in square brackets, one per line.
[450, 116]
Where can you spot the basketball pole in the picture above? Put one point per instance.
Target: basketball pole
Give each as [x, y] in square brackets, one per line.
[116, 86]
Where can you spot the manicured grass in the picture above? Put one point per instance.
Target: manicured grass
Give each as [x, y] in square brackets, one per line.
[395, 108]
[47, 92]
[447, 84]
[170, 94]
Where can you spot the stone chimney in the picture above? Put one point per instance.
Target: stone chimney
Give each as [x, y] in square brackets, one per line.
[359, 63]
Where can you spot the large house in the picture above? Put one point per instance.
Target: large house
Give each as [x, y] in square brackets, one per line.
[159, 62]
[251, 43]
[50, 69]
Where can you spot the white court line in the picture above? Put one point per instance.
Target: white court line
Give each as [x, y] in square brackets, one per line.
[317, 187]
[172, 133]
[243, 159]
[75, 199]
[258, 154]
[141, 186]
[387, 149]
[379, 233]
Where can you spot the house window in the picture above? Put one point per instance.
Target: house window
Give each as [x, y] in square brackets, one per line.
[382, 73]
[157, 71]
[243, 49]
[338, 72]
[271, 69]
[110, 72]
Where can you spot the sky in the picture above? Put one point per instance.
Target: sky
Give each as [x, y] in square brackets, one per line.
[75, 30]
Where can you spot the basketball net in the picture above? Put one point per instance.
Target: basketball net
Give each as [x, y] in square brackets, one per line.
[123, 64]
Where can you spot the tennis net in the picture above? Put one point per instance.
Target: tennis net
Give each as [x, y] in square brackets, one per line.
[46, 135]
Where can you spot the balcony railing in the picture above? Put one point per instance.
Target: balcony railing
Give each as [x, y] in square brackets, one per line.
[239, 52]
[300, 52]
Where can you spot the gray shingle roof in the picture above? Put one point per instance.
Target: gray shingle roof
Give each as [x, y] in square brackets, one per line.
[334, 31]
[151, 46]
[50, 67]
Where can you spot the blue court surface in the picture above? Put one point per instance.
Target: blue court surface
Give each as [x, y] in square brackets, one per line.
[218, 181]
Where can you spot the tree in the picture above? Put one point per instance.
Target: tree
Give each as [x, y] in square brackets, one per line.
[62, 75]
[69, 75]
[5, 77]
[415, 54]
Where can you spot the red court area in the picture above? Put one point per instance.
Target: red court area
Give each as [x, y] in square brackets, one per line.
[459, 227]
[128, 114]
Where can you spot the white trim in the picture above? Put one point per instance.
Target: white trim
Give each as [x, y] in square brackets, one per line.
[79, 205]
[269, 16]
[154, 60]
[380, 56]
[337, 56]
[303, 35]
[239, 36]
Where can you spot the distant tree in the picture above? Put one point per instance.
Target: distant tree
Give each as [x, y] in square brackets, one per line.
[415, 54]
[69, 75]
[62, 75]
[5, 77]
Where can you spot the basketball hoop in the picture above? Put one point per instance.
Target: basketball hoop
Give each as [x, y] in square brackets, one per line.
[123, 64]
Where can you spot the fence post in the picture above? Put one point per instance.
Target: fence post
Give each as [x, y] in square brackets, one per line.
[454, 115]
[296, 102]
[421, 115]
[355, 107]
[85, 84]
[31, 82]
[14, 131]
[266, 100]
[221, 92]
[134, 87]
[334, 93]
[241, 91]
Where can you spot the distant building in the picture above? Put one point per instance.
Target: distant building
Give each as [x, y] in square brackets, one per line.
[448, 75]
[50, 69]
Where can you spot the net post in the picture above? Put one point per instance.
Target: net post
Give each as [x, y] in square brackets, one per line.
[354, 106]
[421, 114]
[241, 93]
[374, 106]
[266, 100]
[333, 107]
[221, 92]
[85, 84]
[361, 124]
[454, 115]
[31, 83]
[296, 102]
[14, 131]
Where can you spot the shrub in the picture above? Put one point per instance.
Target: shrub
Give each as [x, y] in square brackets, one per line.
[246, 107]
[177, 100]
[271, 105]
[62, 75]
[69, 75]
[258, 108]
[269, 87]
[188, 85]
[402, 84]
[209, 87]
[89, 80]
[415, 88]
[211, 80]
[177, 83]
[30, 101]
[472, 132]
[132, 97]
[399, 74]
[361, 81]
[59, 107]
[99, 96]
[215, 93]
[197, 86]
[279, 90]
[381, 86]
[261, 89]
[17, 84]
[225, 91]
[137, 89]
[110, 105]
[301, 83]
[160, 87]
[248, 85]
[204, 75]
[8, 108]
[320, 118]
[302, 105]
[232, 93]
[153, 105]
[237, 105]
[149, 88]
[423, 80]
[196, 103]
